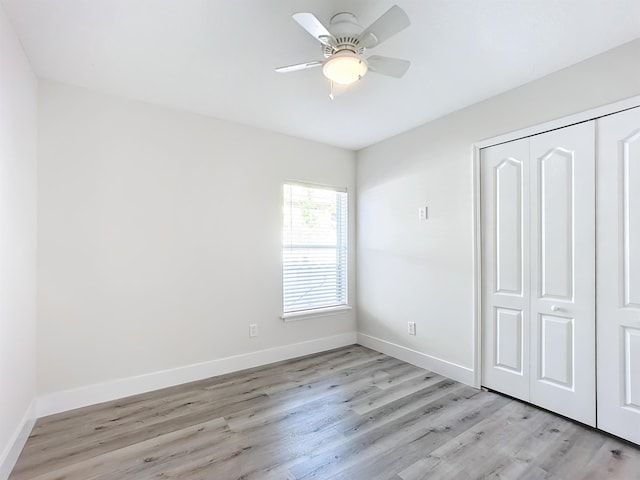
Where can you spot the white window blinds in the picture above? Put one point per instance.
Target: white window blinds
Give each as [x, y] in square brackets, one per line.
[314, 249]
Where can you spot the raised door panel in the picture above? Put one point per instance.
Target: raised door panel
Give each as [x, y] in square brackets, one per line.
[631, 373]
[556, 351]
[508, 340]
[563, 271]
[631, 218]
[505, 258]
[556, 194]
[508, 213]
[618, 296]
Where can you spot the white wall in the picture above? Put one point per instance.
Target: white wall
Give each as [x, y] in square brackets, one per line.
[411, 270]
[18, 137]
[160, 238]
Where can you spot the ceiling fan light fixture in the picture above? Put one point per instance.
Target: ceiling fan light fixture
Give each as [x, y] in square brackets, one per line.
[344, 68]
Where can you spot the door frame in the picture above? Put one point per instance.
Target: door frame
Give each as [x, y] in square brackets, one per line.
[580, 117]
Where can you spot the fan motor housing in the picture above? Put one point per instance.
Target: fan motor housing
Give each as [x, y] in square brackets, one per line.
[346, 30]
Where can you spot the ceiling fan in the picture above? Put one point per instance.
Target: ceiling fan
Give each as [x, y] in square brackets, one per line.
[344, 43]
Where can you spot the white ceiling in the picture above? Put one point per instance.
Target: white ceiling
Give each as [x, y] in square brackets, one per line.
[217, 57]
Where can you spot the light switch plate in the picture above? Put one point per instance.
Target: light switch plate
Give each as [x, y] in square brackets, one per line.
[411, 328]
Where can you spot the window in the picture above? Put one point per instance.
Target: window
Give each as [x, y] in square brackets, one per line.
[314, 249]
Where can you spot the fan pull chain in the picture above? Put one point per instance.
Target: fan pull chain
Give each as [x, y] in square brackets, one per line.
[331, 97]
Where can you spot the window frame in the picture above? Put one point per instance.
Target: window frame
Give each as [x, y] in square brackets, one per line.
[319, 311]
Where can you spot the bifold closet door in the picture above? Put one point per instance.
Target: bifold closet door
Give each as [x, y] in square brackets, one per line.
[618, 296]
[505, 267]
[563, 349]
[538, 270]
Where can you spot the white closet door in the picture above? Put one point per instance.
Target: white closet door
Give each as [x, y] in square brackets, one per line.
[563, 272]
[505, 268]
[538, 270]
[619, 274]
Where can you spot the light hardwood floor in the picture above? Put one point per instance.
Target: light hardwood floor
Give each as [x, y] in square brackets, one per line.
[349, 413]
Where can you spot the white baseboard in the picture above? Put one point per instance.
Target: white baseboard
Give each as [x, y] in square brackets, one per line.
[437, 365]
[57, 402]
[12, 451]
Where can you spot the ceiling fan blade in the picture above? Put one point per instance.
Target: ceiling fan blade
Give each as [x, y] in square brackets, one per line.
[391, 22]
[392, 67]
[298, 66]
[311, 24]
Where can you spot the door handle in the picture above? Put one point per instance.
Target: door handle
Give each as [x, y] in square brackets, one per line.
[555, 308]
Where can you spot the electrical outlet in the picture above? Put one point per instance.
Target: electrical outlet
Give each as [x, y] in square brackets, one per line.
[253, 330]
[411, 328]
[422, 213]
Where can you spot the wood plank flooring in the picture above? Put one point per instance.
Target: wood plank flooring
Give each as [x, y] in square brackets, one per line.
[349, 413]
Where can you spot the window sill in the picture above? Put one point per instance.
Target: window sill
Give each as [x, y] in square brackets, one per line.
[318, 312]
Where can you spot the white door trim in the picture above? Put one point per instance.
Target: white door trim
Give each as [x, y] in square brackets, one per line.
[585, 116]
